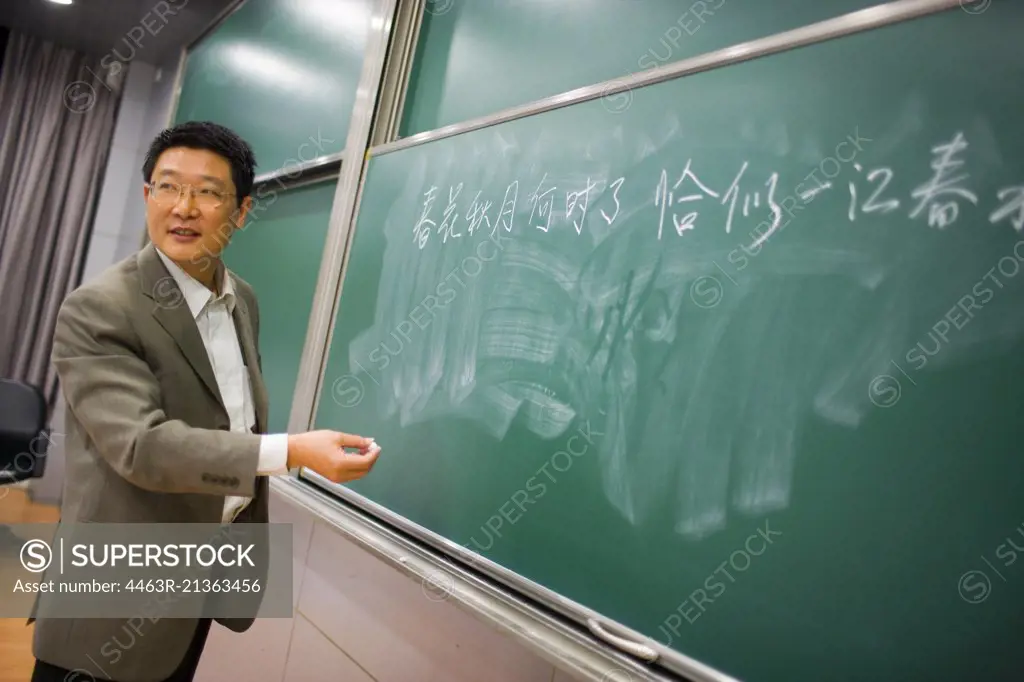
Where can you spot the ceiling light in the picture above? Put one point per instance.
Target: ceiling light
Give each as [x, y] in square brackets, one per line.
[61, 2]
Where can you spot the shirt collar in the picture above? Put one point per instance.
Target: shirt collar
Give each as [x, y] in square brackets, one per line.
[196, 294]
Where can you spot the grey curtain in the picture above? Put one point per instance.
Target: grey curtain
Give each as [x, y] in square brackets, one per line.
[56, 123]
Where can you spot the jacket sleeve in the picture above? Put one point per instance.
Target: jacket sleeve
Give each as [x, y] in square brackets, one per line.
[114, 395]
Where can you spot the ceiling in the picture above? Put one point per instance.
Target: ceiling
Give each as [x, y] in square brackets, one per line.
[152, 31]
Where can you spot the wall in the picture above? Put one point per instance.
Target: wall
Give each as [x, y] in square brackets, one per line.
[359, 620]
[120, 215]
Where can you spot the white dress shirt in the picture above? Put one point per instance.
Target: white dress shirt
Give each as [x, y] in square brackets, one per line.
[217, 328]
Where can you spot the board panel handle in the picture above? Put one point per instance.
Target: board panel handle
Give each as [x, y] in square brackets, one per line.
[635, 648]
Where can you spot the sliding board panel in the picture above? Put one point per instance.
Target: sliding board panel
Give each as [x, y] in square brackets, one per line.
[476, 57]
[737, 367]
[278, 253]
[282, 74]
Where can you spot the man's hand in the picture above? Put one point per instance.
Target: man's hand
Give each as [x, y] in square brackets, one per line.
[323, 452]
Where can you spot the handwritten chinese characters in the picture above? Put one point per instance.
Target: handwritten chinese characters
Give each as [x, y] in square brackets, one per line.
[1012, 207]
[682, 202]
[940, 193]
[479, 214]
[874, 203]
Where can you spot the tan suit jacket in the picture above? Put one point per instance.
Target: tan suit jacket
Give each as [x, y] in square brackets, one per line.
[147, 441]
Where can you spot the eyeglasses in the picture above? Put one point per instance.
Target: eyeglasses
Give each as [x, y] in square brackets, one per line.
[169, 193]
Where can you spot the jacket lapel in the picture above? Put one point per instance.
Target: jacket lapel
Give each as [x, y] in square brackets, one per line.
[243, 325]
[171, 311]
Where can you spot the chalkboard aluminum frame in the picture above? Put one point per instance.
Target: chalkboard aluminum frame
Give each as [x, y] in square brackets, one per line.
[615, 635]
[837, 27]
[566, 647]
[855, 22]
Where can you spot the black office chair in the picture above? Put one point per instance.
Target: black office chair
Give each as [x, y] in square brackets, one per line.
[24, 432]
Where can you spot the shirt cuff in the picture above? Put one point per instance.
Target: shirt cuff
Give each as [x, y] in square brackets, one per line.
[273, 455]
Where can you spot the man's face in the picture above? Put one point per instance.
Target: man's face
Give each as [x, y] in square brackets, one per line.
[193, 226]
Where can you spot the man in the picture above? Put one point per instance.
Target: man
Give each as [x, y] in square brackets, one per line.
[159, 364]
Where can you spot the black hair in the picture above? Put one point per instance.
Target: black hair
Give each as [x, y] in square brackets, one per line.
[213, 137]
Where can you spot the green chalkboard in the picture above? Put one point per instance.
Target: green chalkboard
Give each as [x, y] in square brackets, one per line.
[282, 74]
[770, 422]
[279, 253]
[476, 57]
